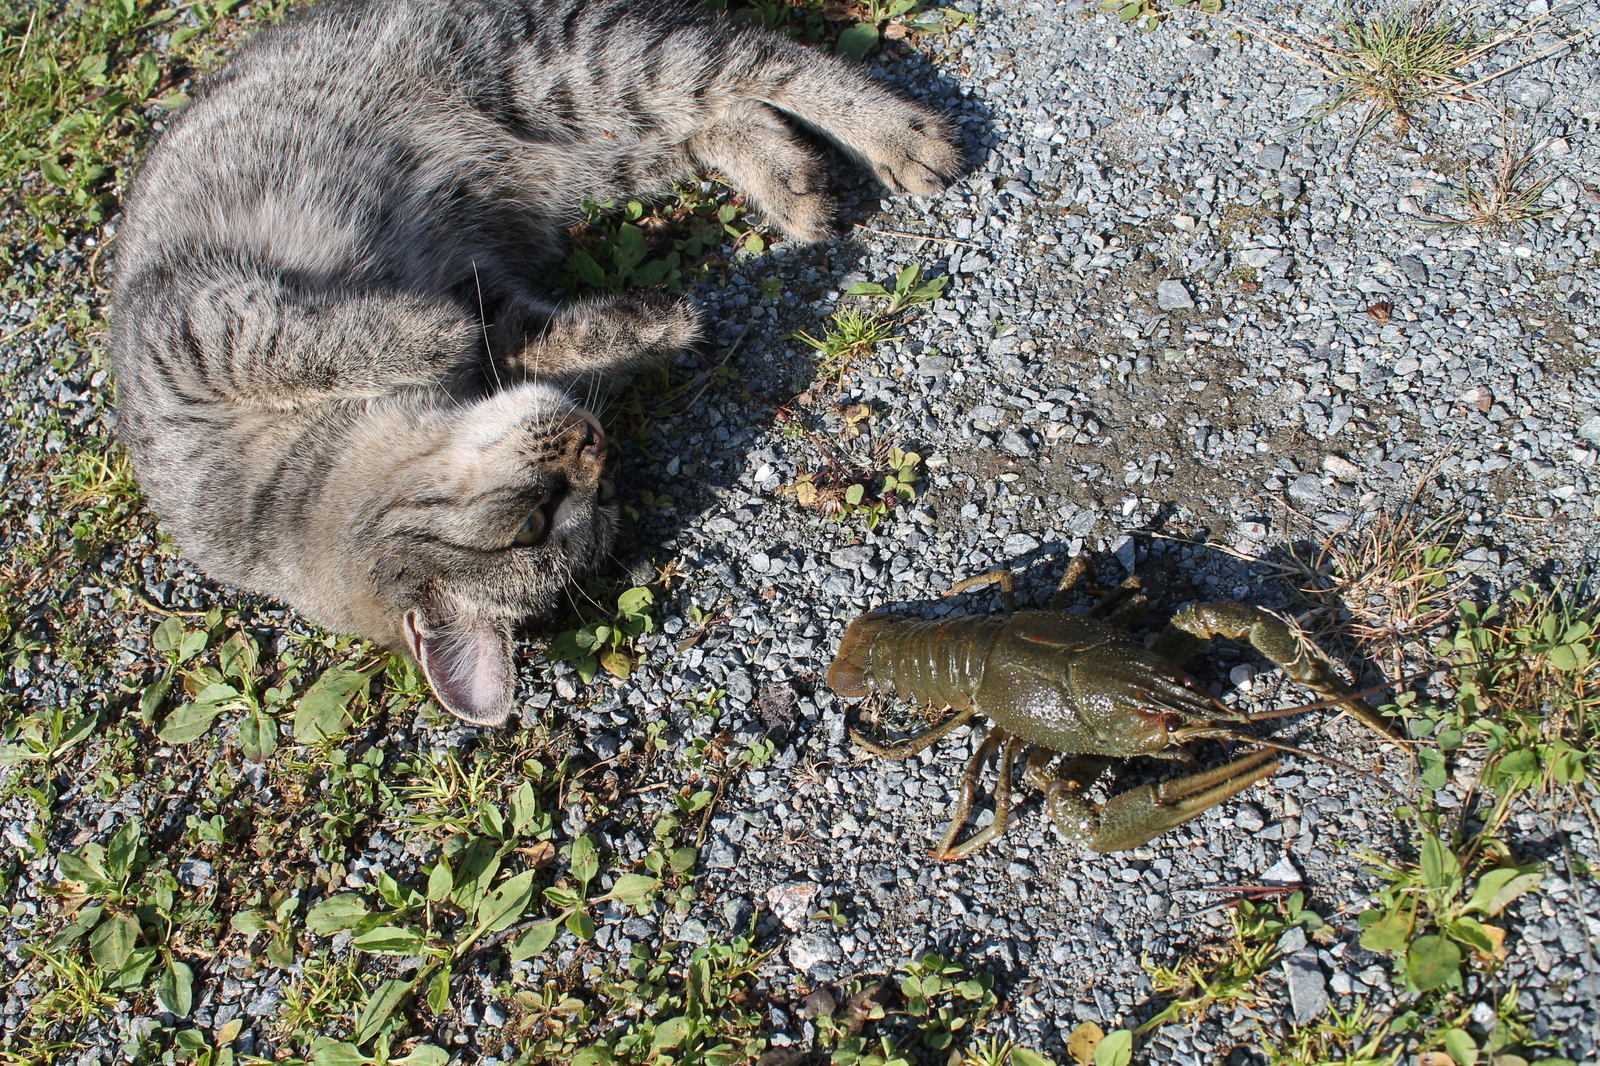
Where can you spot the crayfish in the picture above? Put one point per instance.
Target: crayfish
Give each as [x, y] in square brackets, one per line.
[1076, 685]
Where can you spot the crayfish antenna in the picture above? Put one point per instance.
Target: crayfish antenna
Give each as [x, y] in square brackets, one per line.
[1278, 745]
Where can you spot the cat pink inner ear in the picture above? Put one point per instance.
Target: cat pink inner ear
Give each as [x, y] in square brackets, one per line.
[468, 664]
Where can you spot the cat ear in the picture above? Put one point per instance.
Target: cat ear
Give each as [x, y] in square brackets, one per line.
[468, 664]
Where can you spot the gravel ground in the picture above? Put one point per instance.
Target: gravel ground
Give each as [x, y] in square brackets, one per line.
[1165, 323]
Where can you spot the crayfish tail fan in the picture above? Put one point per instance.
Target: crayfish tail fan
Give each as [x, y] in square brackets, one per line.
[850, 674]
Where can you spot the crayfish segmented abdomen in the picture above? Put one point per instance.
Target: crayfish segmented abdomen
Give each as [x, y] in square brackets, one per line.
[939, 662]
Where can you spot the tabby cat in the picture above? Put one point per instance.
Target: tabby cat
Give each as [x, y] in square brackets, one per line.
[338, 384]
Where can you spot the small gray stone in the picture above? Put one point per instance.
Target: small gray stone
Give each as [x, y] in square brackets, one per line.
[195, 872]
[1308, 992]
[1413, 268]
[1272, 156]
[1293, 940]
[1282, 872]
[1290, 188]
[1126, 553]
[935, 366]
[810, 950]
[1020, 544]
[1530, 93]
[1589, 429]
[1200, 54]
[792, 903]
[1306, 488]
[1248, 818]
[1014, 442]
[1173, 295]
[1341, 468]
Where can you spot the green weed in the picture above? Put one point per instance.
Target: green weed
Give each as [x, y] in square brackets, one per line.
[1229, 972]
[1148, 15]
[935, 1005]
[604, 639]
[1432, 916]
[1528, 696]
[866, 494]
[668, 245]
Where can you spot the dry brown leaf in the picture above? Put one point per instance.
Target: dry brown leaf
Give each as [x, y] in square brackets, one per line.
[1084, 1040]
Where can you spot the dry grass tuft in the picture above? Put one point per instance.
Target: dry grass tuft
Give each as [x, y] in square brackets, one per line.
[1507, 198]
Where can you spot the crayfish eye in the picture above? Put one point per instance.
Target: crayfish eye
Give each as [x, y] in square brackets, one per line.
[533, 528]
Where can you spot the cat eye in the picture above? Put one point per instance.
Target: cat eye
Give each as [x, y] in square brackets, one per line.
[533, 529]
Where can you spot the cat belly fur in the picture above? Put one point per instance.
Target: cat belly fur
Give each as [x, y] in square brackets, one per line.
[339, 383]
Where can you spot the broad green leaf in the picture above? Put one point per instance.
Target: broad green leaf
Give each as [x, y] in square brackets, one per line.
[1021, 1056]
[176, 990]
[112, 943]
[581, 925]
[854, 495]
[123, 848]
[189, 722]
[167, 637]
[866, 288]
[634, 890]
[1391, 932]
[230, 1032]
[247, 922]
[669, 1034]
[238, 658]
[564, 898]
[635, 601]
[389, 940]
[491, 821]
[192, 643]
[258, 737]
[1441, 870]
[1474, 935]
[324, 709]
[478, 865]
[439, 991]
[535, 940]
[388, 996]
[587, 269]
[600, 1055]
[424, 1055]
[1432, 961]
[1498, 887]
[524, 808]
[585, 862]
[507, 903]
[1461, 1047]
[132, 974]
[1564, 658]
[617, 664]
[336, 913]
[907, 277]
[1116, 1049]
[857, 41]
[326, 1051]
[440, 881]
[682, 859]
[85, 920]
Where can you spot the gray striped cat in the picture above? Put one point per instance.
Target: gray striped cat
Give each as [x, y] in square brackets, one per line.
[338, 384]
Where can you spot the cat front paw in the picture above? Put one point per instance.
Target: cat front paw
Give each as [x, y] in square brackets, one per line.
[915, 151]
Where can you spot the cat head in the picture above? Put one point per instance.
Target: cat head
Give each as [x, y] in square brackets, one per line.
[480, 527]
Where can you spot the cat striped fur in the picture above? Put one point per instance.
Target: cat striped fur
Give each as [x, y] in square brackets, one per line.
[338, 381]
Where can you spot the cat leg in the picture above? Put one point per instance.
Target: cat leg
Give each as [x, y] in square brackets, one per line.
[762, 157]
[599, 339]
[908, 147]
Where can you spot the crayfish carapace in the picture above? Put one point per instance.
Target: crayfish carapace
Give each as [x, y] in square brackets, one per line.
[1076, 685]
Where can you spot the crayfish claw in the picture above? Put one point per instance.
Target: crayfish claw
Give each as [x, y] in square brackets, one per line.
[1132, 818]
